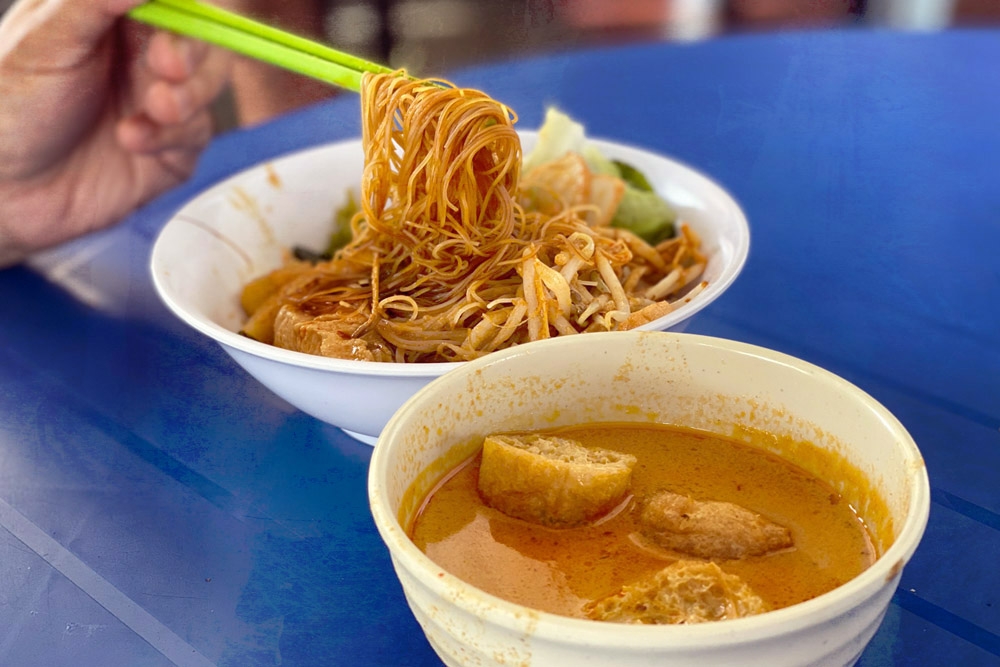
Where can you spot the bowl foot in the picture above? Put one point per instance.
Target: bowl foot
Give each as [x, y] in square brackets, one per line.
[360, 437]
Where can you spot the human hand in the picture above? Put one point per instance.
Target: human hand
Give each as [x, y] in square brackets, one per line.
[99, 115]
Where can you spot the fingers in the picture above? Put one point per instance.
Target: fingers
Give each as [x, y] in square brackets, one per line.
[65, 31]
[140, 134]
[173, 114]
[173, 57]
[172, 154]
[187, 76]
[90, 19]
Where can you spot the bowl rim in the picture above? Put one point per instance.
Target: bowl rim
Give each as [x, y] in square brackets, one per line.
[773, 624]
[232, 340]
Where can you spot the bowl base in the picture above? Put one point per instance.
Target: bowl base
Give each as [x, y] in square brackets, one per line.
[360, 437]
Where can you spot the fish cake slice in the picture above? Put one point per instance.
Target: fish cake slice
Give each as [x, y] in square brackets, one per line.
[709, 529]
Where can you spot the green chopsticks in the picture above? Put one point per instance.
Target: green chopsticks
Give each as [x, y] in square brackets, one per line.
[256, 40]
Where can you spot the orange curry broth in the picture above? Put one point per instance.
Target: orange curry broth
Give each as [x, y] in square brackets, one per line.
[560, 570]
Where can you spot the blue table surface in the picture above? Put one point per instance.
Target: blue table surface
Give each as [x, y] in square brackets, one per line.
[158, 506]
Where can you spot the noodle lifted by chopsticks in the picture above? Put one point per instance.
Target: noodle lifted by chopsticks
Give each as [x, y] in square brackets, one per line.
[455, 255]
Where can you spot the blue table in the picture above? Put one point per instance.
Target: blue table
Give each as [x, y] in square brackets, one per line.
[157, 506]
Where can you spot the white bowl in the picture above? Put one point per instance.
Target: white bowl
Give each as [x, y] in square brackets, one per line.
[239, 229]
[673, 378]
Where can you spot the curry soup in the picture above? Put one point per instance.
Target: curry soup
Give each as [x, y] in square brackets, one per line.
[560, 570]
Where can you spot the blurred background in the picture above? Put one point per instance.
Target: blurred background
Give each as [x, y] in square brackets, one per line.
[434, 37]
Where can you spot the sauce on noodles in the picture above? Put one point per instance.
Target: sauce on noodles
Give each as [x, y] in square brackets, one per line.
[455, 253]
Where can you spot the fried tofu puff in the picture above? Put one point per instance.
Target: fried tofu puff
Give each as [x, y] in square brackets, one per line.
[552, 481]
[683, 592]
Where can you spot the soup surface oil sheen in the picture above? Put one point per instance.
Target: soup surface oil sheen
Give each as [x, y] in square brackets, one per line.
[560, 570]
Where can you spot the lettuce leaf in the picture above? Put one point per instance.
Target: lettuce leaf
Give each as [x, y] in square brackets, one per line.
[642, 211]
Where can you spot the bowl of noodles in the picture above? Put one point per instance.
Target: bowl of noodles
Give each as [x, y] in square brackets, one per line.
[347, 276]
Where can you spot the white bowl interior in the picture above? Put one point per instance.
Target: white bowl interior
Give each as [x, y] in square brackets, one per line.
[706, 383]
[242, 228]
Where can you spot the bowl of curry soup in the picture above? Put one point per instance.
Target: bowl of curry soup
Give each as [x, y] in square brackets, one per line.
[647, 498]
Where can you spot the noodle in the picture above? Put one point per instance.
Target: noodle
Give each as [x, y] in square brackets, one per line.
[453, 257]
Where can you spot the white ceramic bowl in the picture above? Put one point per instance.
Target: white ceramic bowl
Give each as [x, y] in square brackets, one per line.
[674, 378]
[239, 229]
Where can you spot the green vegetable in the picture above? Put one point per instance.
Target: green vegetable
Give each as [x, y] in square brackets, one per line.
[646, 215]
[632, 176]
[342, 225]
[558, 135]
[340, 236]
[598, 163]
[641, 211]
[304, 254]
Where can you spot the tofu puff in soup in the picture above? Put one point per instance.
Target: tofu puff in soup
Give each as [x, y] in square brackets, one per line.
[640, 524]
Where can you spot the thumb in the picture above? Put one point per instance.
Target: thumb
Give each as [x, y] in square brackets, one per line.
[63, 31]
